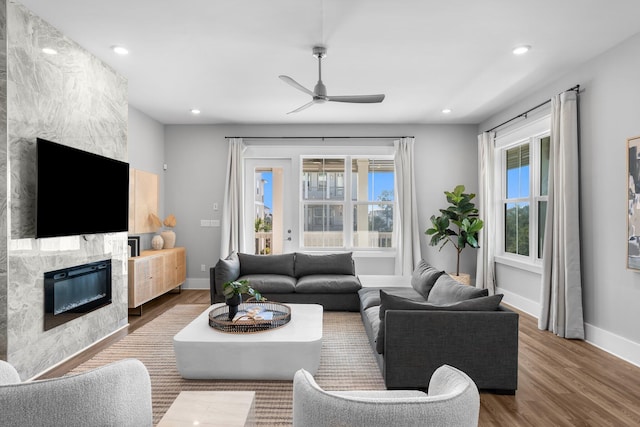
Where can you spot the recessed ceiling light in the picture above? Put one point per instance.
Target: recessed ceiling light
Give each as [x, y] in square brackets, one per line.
[520, 50]
[195, 111]
[49, 51]
[120, 50]
[446, 110]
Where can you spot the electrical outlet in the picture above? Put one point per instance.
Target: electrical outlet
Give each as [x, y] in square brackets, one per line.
[203, 267]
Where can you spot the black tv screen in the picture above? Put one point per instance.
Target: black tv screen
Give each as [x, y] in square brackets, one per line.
[78, 192]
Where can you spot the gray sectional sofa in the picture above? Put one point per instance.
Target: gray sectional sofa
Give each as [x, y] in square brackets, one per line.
[412, 330]
[326, 279]
[439, 321]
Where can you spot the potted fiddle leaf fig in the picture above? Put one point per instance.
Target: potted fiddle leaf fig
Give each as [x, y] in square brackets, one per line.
[458, 224]
[233, 291]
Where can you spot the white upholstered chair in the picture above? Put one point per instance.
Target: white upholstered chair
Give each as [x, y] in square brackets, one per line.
[452, 400]
[117, 394]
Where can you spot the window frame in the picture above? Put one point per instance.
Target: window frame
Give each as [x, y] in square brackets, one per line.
[347, 203]
[532, 132]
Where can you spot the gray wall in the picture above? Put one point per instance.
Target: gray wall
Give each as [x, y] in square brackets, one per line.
[196, 156]
[609, 114]
[146, 152]
[74, 99]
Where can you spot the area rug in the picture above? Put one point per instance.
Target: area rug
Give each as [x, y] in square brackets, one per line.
[346, 363]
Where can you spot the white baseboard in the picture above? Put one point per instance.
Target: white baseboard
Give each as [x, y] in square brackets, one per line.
[521, 303]
[191, 283]
[616, 345]
[613, 344]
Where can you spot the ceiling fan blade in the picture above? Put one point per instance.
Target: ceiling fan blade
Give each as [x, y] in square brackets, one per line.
[361, 99]
[295, 84]
[304, 107]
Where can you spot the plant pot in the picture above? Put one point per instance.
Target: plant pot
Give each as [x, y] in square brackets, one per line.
[169, 237]
[233, 304]
[463, 278]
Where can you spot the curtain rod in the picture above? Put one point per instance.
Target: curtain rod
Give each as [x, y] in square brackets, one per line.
[319, 137]
[576, 88]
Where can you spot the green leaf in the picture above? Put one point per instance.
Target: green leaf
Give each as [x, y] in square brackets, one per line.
[476, 226]
[435, 239]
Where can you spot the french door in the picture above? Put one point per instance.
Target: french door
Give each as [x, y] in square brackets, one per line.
[269, 209]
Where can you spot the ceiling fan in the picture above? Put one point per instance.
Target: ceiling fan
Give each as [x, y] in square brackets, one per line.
[319, 93]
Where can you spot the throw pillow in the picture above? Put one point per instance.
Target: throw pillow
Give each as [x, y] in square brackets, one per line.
[446, 290]
[395, 302]
[307, 265]
[226, 270]
[389, 301]
[266, 264]
[424, 277]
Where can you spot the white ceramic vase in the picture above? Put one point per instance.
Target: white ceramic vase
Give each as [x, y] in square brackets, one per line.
[169, 237]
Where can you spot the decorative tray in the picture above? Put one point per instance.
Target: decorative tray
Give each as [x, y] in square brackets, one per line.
[251, 317]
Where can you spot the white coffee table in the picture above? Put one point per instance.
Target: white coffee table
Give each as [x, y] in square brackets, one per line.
[203, 352]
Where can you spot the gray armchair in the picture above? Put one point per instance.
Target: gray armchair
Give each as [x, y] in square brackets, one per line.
[452, 400]
[117, 394]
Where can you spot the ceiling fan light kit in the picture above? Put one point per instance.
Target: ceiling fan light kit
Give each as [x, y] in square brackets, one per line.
[319, 93]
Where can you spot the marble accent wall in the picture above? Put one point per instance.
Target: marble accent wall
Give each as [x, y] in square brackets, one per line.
[3, 179]
[74, 99]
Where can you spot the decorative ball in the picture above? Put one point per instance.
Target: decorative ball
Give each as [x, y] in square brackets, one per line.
[157, 242]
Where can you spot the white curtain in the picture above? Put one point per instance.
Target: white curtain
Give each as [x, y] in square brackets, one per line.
[232, 238]
[485, 266]
[406, 224]
[561, 291]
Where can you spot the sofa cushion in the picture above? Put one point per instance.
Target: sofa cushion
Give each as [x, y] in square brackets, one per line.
[371, 316]
[226, 270]
[370, 297]
[271, 283]
[389, 301]
[266, 264]
[328, 284]
[447, 290]
[307, 265]
[396, 302]
[424, 277]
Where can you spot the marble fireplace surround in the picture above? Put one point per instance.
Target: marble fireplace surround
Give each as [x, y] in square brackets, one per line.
[74, 99]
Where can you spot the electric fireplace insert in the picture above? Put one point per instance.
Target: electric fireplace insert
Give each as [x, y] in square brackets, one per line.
[72, 292]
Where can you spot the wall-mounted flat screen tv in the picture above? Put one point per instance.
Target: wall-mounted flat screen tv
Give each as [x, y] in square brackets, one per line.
[78, 192]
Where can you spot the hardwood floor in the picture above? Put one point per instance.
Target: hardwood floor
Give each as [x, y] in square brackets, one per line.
[565, 383]
[560, 382]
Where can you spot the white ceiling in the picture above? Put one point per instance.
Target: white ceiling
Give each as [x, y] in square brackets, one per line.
[224, 56]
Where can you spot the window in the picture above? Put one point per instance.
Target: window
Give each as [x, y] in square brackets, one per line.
[347, 202]
[516, 200]
[523, 166]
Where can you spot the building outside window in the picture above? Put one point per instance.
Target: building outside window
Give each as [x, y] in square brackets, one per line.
[347, 202]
